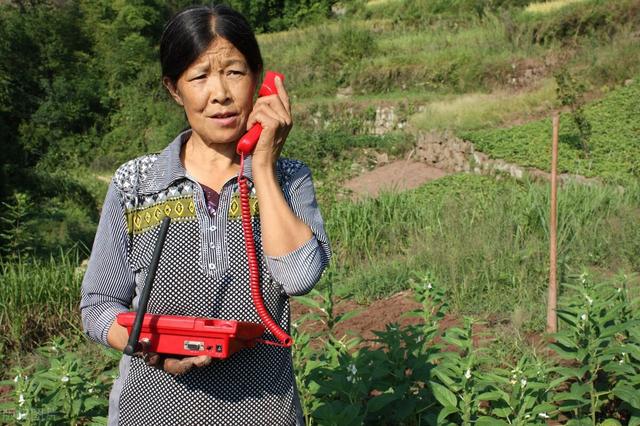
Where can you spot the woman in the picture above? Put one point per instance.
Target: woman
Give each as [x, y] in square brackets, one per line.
[211, 65]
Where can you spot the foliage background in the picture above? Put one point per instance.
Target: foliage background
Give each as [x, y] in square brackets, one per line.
[80, 93]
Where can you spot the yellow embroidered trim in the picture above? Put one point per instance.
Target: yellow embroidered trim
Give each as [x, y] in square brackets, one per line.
[234, 207]
[178, 208]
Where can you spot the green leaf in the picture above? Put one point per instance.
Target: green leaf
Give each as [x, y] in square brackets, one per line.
[491, 396]
[579, 422]
[308, 301]
[579, 390]
[444, 395]
[379, 402]
[405, 408]
[542, 408]
[490, 421]
[348, 315]
[628, 394]
[564, 353]
[445, 412]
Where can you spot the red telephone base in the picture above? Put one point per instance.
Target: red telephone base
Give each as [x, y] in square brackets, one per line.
[192, 336]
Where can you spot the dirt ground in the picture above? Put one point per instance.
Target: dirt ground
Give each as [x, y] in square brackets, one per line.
[371, 318]
[398, 175]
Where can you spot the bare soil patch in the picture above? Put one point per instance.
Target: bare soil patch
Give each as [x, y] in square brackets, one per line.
[392, 310]
[399, 175]
[373, 317]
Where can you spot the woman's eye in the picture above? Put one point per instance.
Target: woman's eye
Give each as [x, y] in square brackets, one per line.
[199, 77]
[235, 72]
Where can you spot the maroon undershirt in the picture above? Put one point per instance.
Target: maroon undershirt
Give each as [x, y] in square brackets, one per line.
[212, 198]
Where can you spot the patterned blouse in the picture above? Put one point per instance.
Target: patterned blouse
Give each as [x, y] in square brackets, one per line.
[202, 272]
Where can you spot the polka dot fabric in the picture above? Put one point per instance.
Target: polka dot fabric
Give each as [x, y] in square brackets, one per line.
[254, 386]
[203, 272]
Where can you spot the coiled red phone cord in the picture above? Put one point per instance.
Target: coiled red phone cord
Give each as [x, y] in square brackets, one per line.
[254, 273]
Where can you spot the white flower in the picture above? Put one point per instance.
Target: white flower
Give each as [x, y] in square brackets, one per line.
[64, 379]
[352, 369]
[54, 348]
[513, 381]
[623, 353]
[90, 390]
[527, 416]
[590, 300]
[523, 382]
[583, 317]
[619, 289]
[429, 286]
[15, 379]
[468, 373]
[21, 400]
[21, 416]
[621, 361]
[543, 415]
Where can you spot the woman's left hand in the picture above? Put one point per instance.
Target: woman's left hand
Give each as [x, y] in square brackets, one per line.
[273, 112]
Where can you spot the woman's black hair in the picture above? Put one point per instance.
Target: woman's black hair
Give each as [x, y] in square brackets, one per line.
[192, 30]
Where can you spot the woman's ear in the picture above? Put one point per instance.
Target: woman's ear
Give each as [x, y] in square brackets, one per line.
[173, 90]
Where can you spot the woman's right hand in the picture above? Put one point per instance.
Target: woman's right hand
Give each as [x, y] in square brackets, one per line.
[174, 366]
[118, 337]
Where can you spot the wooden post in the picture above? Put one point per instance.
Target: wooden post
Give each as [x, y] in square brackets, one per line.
[552, 302]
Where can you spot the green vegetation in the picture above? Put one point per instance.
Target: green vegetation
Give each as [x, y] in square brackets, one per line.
[614, 142]
[485, 241]
[473, 111]
[50, 289]
[413, 375]
[80, 93]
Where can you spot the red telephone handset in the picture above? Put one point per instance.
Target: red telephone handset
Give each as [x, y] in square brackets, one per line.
[248, 142]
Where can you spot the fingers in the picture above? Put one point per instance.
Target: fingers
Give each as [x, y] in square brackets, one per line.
[201, 361]
[267, 118]
[270, 113]
[155, 360]
[282, 94]
[177, 366]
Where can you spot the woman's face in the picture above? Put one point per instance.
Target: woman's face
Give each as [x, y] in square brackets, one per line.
[216, 92]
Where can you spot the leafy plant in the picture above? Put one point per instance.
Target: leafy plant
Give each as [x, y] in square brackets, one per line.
[66, 390]
[16, 237]
[519, 395]
[595, 337]
[459, 385]
[570, 92]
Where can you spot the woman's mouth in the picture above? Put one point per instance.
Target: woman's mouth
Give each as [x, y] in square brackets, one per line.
[224, 119]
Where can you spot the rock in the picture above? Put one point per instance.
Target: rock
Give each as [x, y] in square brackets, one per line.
[338, 9]
[382, 159]
[344, 92]
[385, 120]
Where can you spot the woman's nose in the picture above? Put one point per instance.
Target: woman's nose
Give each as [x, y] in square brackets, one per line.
[219, 91]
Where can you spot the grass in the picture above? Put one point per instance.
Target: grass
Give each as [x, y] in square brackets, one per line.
[485, 240]
[465, 56]
[614, 144]
[550, 6]
[472, 111]
[38, 299]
